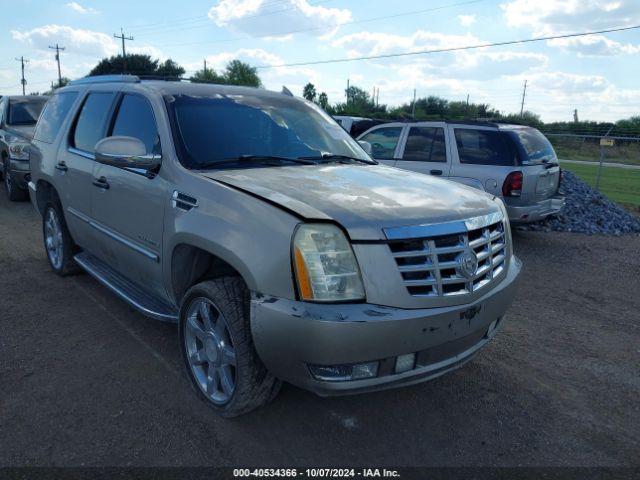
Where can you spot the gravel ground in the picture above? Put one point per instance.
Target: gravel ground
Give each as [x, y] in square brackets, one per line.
[86, 381]
[587, 211]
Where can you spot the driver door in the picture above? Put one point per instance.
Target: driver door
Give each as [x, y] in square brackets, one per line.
[127, 204]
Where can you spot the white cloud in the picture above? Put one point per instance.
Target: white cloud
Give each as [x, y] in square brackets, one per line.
[76, 40]
[467, 20]
[595, 46]
[256, 17]
[562, 16]
[76, 7]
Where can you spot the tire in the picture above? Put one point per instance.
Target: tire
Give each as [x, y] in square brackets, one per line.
[58, 243]
[14, 193]
[207, 347]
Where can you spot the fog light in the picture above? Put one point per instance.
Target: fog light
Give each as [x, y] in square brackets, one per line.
[343, 373]
[404, 363]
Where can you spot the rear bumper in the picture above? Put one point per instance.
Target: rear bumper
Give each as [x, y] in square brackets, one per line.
[290, 336]
[537, 211]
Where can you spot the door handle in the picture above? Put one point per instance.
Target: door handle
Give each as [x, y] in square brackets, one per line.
[62, 167]
[435, 172]
[101, 183]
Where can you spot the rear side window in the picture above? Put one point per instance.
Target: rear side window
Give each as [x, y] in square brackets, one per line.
[25, 112]
[91, 124]
[484, 147]
[135, 119]
[425, 144]
[536, 146]
[383, 142]
[53, 116]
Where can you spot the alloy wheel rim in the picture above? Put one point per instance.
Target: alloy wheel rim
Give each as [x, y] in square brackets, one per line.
[53, 238]
[210, 351]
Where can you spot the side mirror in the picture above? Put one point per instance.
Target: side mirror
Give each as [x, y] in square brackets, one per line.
[366, 146]
[125, 152]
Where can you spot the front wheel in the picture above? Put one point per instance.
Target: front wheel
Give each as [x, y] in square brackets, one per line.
[218, 351]
[57, 241]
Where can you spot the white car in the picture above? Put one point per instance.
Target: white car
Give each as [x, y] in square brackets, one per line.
[513, 162]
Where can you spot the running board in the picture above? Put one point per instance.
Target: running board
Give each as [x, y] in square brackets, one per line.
[128, 291]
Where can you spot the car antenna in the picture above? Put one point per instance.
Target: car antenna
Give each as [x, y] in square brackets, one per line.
[286, 91]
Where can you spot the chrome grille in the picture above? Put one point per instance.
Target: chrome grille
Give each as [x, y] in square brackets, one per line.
[431, 267]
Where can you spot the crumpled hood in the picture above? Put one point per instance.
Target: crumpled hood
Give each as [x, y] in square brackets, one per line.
[364, 199]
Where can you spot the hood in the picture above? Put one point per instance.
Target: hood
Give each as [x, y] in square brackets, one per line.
[364, 199]
[24, 131]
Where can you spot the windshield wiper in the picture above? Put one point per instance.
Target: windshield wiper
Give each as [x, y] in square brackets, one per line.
[263, 159]
[329, 157]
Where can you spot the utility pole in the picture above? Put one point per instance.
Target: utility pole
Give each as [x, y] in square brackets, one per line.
[378, 98]
[22, 61]
[524, 95]
[413, 108]
[124, 53]
[205, 67]
[575, 115]
[57, 49]
[347, 92]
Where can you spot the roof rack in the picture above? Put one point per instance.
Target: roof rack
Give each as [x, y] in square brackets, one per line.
[106, 79]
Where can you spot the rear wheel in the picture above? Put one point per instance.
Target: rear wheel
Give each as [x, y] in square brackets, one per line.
[217, 348]
[57, 241]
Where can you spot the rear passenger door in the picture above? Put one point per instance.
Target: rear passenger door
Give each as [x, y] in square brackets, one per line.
[74, 165]
[385, 143]
[482, 157]
[129, 212]
[424, 150]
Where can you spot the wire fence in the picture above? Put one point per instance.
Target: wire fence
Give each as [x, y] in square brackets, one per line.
[609, 163]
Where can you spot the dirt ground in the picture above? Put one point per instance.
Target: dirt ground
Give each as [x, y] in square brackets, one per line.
[84, 380]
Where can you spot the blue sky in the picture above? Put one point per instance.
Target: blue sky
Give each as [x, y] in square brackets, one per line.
[598, 74]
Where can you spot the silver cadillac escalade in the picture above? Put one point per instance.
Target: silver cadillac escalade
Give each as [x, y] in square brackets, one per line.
[259, 226]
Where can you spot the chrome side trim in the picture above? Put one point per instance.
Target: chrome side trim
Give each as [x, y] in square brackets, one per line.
[110, 233]
[123, 294]
[82, 153]
[439, 229]
[183, 201]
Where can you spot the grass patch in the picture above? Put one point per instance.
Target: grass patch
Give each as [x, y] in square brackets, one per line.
[588, 149]
[621, 185]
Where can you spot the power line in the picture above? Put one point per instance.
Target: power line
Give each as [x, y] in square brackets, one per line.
[57, 49]
[335, 25]
[451, 49]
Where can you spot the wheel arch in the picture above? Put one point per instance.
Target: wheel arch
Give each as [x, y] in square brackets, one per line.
[193, 262]
[45, 193]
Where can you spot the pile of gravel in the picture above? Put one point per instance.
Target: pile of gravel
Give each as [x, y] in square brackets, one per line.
[587, 211]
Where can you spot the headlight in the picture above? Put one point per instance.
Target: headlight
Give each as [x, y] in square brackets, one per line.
[19, 151]
[325, 266]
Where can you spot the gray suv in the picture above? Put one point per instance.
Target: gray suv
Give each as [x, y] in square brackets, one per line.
[513, 162]
[18, 116]
[259, 226]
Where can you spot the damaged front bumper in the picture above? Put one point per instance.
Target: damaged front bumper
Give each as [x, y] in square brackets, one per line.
[294, 338]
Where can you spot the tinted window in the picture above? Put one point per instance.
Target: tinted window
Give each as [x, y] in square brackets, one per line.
[484, 147]
[135, 119]
[383, 142]
[218, 128]
[25, 112]
[53, 116]
[425, 144]
[90, 126]
[536, 146]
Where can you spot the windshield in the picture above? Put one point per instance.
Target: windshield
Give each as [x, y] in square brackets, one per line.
[535, 145]
[218, 128]
[25, 112]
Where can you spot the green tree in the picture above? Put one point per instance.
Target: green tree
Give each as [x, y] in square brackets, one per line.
[309, 92]
[170, 69]
[138, 64]
[207, 76]
[240, 73]
[323, 100]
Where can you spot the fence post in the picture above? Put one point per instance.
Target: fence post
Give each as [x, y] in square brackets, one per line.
[600, 167]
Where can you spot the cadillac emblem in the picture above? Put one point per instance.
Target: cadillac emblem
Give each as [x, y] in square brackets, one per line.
[467, 264]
